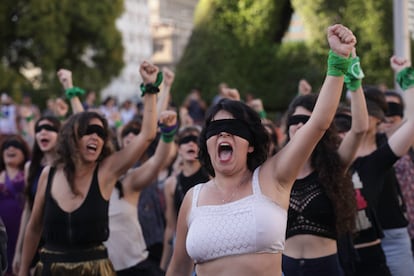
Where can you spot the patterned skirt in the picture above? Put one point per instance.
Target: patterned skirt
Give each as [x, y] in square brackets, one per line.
[89, 262]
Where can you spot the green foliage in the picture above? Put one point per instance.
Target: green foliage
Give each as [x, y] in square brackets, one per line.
[57, 34]
[239, 42]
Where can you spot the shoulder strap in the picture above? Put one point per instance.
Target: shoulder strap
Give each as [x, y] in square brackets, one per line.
[49, 180]
[255, 181]
[196, 192]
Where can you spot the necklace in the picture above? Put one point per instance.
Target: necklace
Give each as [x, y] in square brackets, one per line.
[224, 199]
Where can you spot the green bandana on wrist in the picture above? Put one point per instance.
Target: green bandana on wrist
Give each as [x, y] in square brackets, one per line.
[405, 78]
[337, 65]
[74, 92]
[152, 88]
[354, 75]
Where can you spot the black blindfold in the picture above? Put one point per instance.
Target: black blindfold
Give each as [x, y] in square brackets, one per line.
[188, 139]
[232, 126]
[296, 119]
[46, 127]
[97, 129]
[394, 109]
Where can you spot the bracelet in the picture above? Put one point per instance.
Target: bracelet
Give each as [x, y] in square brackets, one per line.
[337, 65]
[118, 123]
[29, 118]
[354, 75]
[74, 92]
[405, 78]
[262, 114]
[168, 132]
[151, 88]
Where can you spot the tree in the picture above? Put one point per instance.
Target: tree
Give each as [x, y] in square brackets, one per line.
[240, 42]
[79, 35]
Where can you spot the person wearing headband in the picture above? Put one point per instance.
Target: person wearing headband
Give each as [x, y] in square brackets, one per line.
[72, 199]
[176, 186]
[14, 153]
[235, 224]
[43, 153]
[382, 241]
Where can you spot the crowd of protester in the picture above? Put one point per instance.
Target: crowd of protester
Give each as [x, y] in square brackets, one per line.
[91, 187]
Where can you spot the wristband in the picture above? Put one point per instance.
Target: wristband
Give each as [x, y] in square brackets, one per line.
[118, 124]
[168, 132]
[151, 88]
[337, 65]
[262, 114]
[29, 118]
[405, 78]
[74, 92]
[354, 75]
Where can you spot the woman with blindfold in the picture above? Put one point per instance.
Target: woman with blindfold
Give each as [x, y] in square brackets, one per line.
[126, 245]
[14, 154]
[43, 154]
[235, 223]
[71, 205]
[176, 186]
[404, 167]
[382, 240]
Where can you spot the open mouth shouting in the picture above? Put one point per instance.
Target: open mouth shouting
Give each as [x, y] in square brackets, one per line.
[225, 151]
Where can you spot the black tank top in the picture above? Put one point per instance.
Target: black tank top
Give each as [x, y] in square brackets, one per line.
[185, 183]
[84, 227]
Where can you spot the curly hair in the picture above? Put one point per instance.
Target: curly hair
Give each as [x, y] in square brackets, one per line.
[334, 179]
[244, 113]
[37, 156]
[68, 140]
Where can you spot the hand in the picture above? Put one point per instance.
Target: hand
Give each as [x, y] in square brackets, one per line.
[168, 118]
[231, 93]
[168, 76]
[61, 107]
[16, 263]
[341, 40]
[399, 63]
[25, 111]
[148, 72]
[65, 78]
[304, 87]
[256, 105]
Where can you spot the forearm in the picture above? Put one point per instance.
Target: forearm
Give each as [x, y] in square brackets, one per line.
[359, 112]
[149, 122]
[167, 248]
[163, 99]
[30, 245]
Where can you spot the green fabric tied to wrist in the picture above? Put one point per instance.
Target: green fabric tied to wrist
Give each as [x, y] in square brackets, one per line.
[337, 65]
[151, 88]
[262, 114]
[29, 118]
[354, 75]
[405, 78]
[168, 133]
[74, 92]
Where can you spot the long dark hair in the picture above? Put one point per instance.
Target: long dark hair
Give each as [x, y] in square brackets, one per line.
[37, 156]
[331, 171]
[69, 136]
[242, 112]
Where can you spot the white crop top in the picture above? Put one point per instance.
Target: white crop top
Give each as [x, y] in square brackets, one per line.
[254, 224]
[126, 244]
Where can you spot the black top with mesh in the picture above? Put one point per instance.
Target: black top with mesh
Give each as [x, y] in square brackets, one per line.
[310, 209]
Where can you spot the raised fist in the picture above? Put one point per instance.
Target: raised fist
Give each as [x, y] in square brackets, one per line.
[399, 63]
[168, 118]
[168, 76]
[341, 40]
[148, 72]
[65, 78]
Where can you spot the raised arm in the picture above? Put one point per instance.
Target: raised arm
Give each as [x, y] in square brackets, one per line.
[72, 93]
[144, 175]
[286, 164]
[401, 140]
[118, 163]
[359, 112]
[164, 96]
